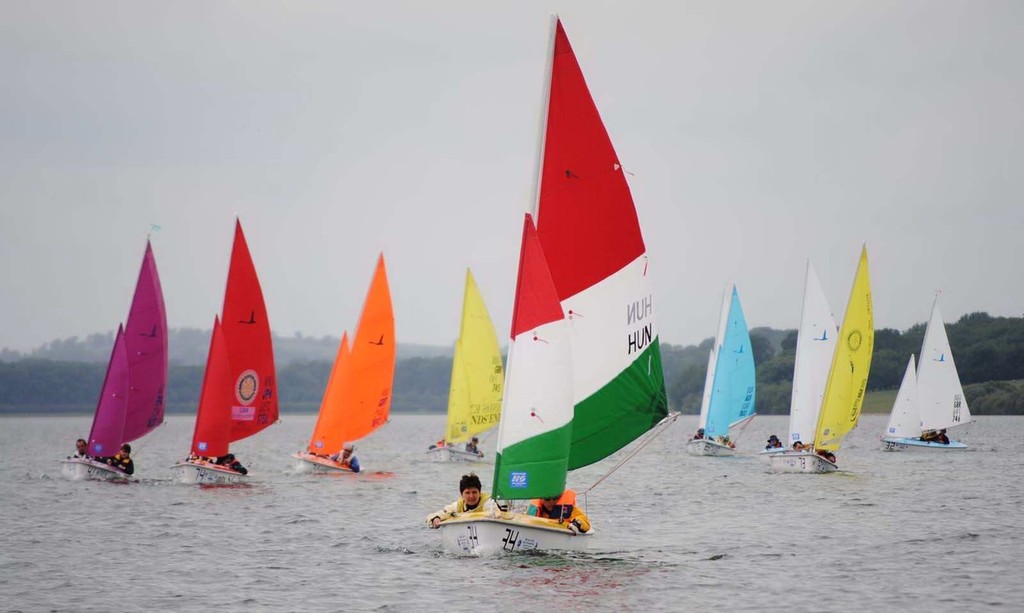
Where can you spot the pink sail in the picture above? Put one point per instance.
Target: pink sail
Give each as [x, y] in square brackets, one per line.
[146, 341]
[105, 438]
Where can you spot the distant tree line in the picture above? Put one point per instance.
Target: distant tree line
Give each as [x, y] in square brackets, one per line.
[989, 353]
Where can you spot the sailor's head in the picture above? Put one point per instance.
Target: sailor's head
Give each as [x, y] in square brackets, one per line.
[476, 440]
[700, 430]
[126, 449]
[469, 487]
[80, 445]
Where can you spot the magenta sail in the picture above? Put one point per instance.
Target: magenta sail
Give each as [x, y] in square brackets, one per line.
[108, 424]
[146, 341]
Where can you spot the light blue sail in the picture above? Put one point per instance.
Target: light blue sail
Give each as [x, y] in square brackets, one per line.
[732, 391]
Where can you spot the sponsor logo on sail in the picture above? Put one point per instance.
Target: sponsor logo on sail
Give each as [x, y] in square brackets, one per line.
[517, 480]
[246, 387]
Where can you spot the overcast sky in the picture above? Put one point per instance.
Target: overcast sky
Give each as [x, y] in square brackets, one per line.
[758, 134]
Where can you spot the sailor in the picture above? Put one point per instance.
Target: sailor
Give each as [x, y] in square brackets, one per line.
[699, 435]
[346, 459]
[229, 461]
[438, 445]
[941, 437]
[563, 509]
[799, 446]
[773, 443]
[471, 446]
[81, 449]
[471, 499]
[122, 460]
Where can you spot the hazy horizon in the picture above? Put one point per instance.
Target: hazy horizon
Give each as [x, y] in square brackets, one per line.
[756, 135]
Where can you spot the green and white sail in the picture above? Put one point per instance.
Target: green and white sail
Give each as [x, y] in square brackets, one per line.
[593, 245]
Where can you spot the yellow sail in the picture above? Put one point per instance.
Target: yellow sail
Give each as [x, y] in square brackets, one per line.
[474, 398]
[848, 379]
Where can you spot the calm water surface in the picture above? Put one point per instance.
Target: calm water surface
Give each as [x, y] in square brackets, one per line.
[906, 531]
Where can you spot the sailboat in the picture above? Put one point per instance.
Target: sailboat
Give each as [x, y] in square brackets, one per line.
[239, 395]
[931, 399]
[357, 399]
[131, 402]
[729, 386]
[602, 341]
[845, 386]
[815, 346]
[474, 397]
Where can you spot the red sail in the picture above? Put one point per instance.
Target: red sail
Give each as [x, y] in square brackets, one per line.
[536, 302]
[586, 219]
[250, 351]
[213, 418]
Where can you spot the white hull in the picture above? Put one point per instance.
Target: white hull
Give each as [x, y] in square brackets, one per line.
[451, 454]
[765, 456]
[483, 535]
[306, 463]
[191, 473]
[708, 447]
[908, 444]
[79, 469]
[801, 462]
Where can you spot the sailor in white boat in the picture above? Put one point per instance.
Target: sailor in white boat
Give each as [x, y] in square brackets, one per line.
[122, 460]
[229, 461]
[471, 446]
[828, 455]
[724, 440]
[441, 444]
[773, 442]
[346, 459]
[799, 446]
[471, 500]
[562, 509]
[699, 435]
[81, 449]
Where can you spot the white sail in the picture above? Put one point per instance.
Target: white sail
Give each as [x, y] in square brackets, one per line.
[905, 419]
[815, 344]
[709, 378]
[940, 397]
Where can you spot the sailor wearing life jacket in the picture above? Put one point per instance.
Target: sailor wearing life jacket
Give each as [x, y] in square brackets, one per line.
[562, 509]
[471, 500]
[122, 460]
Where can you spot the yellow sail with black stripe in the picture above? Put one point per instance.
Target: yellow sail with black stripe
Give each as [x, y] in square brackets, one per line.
[474, 398]
[848, 378]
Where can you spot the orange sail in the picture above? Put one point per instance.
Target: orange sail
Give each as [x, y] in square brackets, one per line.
[250, 351]
[213, 419]
[369, 371]
[327, 432]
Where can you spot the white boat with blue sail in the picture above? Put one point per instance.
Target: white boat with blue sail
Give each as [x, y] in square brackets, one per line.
[729, 386]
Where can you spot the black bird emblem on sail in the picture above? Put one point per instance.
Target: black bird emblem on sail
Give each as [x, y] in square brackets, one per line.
[151, 334]
[380, 341]
[252, 318]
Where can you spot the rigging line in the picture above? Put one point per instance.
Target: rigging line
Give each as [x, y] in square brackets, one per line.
[651, 435]
[138, 448]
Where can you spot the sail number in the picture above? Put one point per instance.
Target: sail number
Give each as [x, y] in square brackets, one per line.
[511, 540]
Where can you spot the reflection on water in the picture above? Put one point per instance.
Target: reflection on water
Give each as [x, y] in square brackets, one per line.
[905, 531]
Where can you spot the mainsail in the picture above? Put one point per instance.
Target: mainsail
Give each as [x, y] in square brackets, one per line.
[815, 346]
[940, 396]
[537, 418]
[848, 377]
[733, 389]
[250, 350]
[474, 396]
[369, 371]
[145, 337]
[591, 238]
